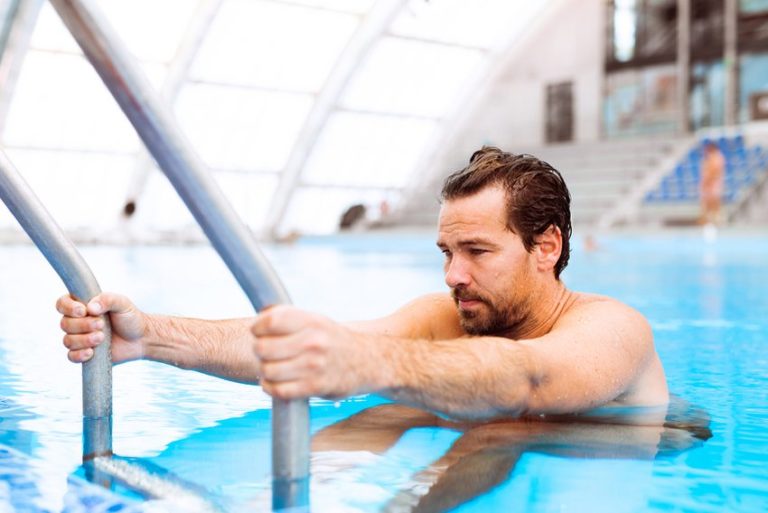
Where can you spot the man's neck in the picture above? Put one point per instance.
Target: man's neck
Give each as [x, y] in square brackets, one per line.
[545, 307]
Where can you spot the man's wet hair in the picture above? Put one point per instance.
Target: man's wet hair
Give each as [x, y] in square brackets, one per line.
[537, 196]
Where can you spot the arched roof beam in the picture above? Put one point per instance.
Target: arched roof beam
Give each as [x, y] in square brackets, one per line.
[178, 71]
[17, 35]
[375, 24]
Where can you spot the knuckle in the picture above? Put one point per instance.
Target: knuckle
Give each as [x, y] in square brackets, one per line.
[316, 341]
[267, 370]
[287, 391]
[263, 323]
[315, 363]
[262, 347]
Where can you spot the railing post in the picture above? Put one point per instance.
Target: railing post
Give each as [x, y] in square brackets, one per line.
[79, 280]
[228, 234]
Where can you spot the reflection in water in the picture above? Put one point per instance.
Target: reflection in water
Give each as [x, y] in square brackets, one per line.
[485, 454]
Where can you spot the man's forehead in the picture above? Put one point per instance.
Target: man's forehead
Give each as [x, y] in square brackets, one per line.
[483, 209]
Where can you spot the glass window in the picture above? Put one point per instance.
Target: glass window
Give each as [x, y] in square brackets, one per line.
[707, 95]
[752, 80]
[406, 77]
[241, 128]
[250, 194]
[152, 37]
[280, 46]
[753, 6]
[362, 149]
[51, 34]
[80, 190]
[624, 29]
[641, 101]
[60, 102]
[465, 23]
[356, 6]
[161, 209]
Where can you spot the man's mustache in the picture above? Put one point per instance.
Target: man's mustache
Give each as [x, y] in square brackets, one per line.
[459, 294]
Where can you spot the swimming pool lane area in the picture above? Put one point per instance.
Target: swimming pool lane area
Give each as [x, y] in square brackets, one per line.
[706, 303]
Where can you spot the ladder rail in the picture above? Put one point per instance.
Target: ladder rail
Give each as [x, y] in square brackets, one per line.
[81, 283]
[230, 237]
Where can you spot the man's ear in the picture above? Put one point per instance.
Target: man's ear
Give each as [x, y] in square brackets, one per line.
[549, 246]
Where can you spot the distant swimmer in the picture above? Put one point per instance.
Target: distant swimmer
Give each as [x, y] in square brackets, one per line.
[508, 339]
[711, 185]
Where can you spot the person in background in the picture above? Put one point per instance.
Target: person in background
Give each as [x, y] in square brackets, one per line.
[508, 339]
[711, 184]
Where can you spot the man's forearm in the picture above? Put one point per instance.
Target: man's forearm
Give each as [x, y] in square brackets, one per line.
[222, 347]
[465, 379]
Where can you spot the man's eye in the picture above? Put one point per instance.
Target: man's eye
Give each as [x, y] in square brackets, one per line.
[477, 251]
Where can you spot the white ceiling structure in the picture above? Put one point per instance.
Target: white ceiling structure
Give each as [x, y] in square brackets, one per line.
[300, 108]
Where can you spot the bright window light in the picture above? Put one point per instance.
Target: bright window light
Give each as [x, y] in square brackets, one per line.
[479, 23]
[51, 34]
[160, 207]
[356, 6]
[152, 37]
[250, 194]
[80, 190]
[60, 102]
[368, 150]
[273, 45]
[235, 128]
[414, 78]
[148, 37]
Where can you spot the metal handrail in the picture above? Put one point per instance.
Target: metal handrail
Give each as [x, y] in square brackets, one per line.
[228, 234]
[100, 464]
[79, 280]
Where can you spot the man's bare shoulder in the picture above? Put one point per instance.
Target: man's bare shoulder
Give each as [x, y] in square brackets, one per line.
[431, 316]
[586, 308]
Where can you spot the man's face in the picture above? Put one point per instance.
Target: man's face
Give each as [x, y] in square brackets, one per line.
[489, 271]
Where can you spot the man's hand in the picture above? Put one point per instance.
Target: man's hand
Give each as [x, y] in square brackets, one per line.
[84, 325]
[304, 354]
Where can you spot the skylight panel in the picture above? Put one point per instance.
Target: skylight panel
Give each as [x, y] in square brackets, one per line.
[355, 6]
[413, 78]
[236, 128]
[80, 190]
[367, 150]
[150, 29]
[60, 102]
[273, 45]
[479, 23]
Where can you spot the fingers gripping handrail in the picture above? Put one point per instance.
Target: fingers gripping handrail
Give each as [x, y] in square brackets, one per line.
[79, 280]
[231, 238]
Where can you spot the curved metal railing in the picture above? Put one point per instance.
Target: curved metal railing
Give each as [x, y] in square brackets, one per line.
[79, 280]
[228, 234]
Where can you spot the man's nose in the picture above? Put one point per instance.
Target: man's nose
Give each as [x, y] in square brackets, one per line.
[456, 273]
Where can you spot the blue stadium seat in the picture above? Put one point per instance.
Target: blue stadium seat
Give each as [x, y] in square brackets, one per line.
[743, 165]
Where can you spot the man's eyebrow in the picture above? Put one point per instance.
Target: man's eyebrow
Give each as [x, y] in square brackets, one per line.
[469, 242]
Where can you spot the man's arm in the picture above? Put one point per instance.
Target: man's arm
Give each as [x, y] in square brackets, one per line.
[222, 347]
[595, 355]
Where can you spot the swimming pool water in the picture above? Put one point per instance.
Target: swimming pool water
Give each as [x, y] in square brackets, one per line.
[706, 302]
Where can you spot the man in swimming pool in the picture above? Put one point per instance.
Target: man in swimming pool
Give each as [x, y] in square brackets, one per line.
[509, 339]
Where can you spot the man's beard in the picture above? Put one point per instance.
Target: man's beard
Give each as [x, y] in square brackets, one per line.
[498, 320]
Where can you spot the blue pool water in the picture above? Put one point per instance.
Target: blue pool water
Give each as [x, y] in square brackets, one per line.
[707, 303]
